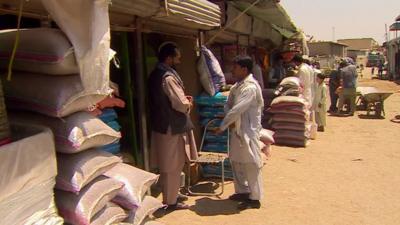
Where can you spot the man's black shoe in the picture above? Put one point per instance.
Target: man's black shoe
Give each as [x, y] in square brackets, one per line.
[239, 197]
[249, 204]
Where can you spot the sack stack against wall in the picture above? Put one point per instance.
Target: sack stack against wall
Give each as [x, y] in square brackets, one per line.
[212, 108]
[45, 75]
[47, 89]
[29, 168]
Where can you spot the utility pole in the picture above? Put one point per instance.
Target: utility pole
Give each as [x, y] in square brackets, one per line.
[386, 33]
[333, 34]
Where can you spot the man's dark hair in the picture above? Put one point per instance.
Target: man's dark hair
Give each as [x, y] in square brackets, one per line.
[298, 58]
[321, 76]
[167, 50]
[244, 61]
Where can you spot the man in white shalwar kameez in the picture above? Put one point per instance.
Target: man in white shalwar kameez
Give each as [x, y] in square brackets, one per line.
[244, 108]
[306, 75]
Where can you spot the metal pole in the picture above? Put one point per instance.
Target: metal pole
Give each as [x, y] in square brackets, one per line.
[141, 92]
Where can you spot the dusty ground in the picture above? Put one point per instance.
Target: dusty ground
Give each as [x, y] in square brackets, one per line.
[349, 175]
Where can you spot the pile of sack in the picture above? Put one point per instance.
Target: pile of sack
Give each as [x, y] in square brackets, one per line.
[290, 121]
[211, 111]
[29, 168]
[95, 187]
[92, 186]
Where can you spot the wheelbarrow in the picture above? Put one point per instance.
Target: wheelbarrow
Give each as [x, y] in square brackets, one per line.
[373, 100]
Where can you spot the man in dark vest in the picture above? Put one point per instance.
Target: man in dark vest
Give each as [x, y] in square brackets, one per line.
[172, 141]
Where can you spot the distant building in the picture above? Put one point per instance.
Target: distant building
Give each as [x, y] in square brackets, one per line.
[368, 44]
[360, 56]
[327, 48]
[327, 53]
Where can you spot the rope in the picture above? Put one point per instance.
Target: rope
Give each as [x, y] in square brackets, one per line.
[10, 64]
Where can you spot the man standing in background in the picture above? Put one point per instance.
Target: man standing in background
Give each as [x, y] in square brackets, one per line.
[172, 141]
[348, 76]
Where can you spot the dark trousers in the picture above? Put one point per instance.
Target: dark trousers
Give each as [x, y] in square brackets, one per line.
[334, 98]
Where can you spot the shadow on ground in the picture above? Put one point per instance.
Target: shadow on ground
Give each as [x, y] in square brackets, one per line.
[211, 207]
[370, 117]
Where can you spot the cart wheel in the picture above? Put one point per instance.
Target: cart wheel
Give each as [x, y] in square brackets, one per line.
[378, 109]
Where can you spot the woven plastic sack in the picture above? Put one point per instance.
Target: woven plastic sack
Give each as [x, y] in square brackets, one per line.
[289, 126]
[217, 76]
[295, 110]
[137, 182]
[28, 167]
[267, 136]
[40, 50]
[290, 134]
[293, 100]
[77, 170]
[147, 208]
[283, 117]
[80, 209]
[291, 142]
[110, 214]
[55, 96]
[293, 81]
[205, 75]
[74, 133]
[219, 99]
[87, 26]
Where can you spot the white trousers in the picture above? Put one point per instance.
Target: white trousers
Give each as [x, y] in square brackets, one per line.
[247, 178]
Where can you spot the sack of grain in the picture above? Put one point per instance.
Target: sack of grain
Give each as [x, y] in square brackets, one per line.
[77, 170]
[40, 50]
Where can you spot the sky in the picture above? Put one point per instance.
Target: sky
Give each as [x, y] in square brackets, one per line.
[348, 18]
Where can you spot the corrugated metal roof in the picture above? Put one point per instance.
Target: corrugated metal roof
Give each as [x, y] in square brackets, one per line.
[141, 8]
[197, 14]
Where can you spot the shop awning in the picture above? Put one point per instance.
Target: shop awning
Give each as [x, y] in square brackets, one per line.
[271, 12]
[240, 26]
[395, 26]
[196, 14]
[264, 30]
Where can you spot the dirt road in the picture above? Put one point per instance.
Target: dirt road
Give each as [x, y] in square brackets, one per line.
[349, 175]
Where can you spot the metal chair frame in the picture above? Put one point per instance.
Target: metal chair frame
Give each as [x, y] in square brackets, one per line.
[209, 158]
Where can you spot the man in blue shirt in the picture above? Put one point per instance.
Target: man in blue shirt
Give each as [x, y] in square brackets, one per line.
[348, 76]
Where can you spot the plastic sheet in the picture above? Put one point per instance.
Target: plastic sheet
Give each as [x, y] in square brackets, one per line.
[28, 168]
[87, 25]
